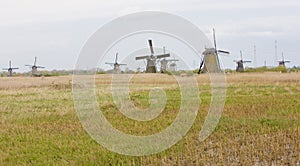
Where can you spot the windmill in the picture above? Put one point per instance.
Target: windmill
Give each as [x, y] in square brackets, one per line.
[151, 59]
[164, 63]
[10, 70]
[116, 64]
[240, 63]
[34, 68]
[173, 65]
[210, 61]
[282, 62]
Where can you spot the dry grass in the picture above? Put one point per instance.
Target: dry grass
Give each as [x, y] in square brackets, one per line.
[33, 82]
[260, 124]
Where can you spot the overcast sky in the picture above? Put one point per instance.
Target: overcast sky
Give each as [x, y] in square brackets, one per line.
[56, 30]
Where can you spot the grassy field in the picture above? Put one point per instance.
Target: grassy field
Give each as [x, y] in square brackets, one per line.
[260, 123]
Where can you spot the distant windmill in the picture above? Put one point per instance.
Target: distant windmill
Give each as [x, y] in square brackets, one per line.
[282, 62]
[210, 61]
[10, 70]
[240, 63]
[34, 68]
[151, 59]
[173, 65]
[116, 64]
[164, 63]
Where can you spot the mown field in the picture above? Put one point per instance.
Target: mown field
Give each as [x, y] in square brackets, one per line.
[260, 124]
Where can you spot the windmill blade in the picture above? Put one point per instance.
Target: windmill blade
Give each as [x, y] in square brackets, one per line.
[151, 46]
[285, 61]
[41, 67]
[247, 61]
[215, 41]
[34, 64]
[172, 60]
[162, 56]
[241, 54]
[282, 57]
[122, 64]
[116, 60]
[5, 68]
[15, 68]
[142, 57]
[223, 52]
[29, 65]
[201, 64]
[109, 63]
[215, 44]
[9, 64]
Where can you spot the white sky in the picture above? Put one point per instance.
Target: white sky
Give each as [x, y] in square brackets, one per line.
[56, 30]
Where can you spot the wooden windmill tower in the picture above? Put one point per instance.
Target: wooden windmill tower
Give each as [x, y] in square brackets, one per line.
[282, 62]
[151, 59]
[10, 70]
[240, 63]
[116, 65]
[34, 67]
[210, 61]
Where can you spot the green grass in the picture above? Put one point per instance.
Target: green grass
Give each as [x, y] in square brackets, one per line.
[260, 125]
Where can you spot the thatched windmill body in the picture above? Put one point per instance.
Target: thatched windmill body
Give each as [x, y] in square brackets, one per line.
[116, 64]
[10, 69]
[34, 68]
[164, 63]
[283, 62]
[210, 61]
[152, 59]
[240, 63]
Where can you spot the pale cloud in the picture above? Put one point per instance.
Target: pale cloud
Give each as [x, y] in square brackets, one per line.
[20, 11]
[259, 27]
[240, 22]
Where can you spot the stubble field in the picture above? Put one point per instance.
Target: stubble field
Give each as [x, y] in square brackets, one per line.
[260, 122]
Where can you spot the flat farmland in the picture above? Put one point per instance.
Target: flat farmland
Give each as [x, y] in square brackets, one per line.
[260, 123]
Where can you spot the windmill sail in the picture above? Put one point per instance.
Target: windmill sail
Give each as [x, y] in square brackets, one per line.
[34, 68]
[151, 59]
[210, 61]
[240, 63]
[116, 64]
[10, 69]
